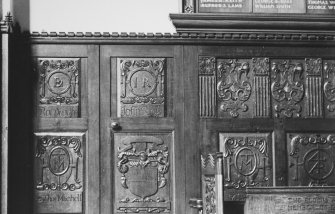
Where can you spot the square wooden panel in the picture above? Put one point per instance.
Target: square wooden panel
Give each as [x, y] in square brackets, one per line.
[58, 172]
[311, 159]
[141, 87]
[247, 162]
[59, 87]
[142, 172]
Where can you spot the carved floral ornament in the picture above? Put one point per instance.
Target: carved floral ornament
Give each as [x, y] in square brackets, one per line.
[329, 85]
[56, 154]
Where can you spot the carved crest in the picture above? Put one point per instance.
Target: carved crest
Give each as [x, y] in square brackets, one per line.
[234, 87]
[143, 163]
[287, 88]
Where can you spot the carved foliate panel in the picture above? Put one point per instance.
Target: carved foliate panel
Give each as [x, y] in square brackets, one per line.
[58, 173]
[234, 88]
[142, 87]
[208, 171]
[288, 87]
[247, 162]
[59, 80]
[311, 159]
[329, 87]
[142, 173]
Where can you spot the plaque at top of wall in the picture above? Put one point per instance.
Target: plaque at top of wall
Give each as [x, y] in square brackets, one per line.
[226, 6]
[279, 6]
[320, 7]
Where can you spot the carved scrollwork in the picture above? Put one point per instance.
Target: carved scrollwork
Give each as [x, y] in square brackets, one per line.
[231, 143]
[207, 65]
[329, 85]
[287, 88]
[58, 161]
[210, 200]
[142, 210]
[234, 87]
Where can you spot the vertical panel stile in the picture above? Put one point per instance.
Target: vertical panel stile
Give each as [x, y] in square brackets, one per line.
[261, 70]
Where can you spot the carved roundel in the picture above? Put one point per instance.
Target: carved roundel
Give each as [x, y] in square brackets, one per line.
[59, 161]
[142, 82]
[245, 161]
[59, 82]
[318, 164]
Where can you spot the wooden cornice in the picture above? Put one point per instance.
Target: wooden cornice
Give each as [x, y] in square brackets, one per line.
[253, 23]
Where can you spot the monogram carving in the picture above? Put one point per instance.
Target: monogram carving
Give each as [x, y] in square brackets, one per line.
[247, 162]
[142, 87]
[234, 87]
[58, 173]
[329, 86]
[287, 87]
[143, 165]
[59, 87]
[311, 160]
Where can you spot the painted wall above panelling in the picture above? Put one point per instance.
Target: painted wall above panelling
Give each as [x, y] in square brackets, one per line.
[98, 15]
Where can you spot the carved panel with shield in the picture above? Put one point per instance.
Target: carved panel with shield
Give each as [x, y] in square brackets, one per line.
[247, 162]
[59, 93]
[58, 173]
[142, 172]
[141, 91]
[311, 159]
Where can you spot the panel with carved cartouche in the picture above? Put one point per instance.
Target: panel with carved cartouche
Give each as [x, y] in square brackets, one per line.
[141, 87]
[59, 94]
[247, 162]
[329, 87]
[208, 171]
[311, 159]
[142, 172]
[234, 88]
[58, 172]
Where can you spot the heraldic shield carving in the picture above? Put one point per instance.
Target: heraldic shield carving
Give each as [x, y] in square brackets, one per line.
[143, 163]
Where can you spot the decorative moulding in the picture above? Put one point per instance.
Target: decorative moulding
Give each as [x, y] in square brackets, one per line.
[275, 23]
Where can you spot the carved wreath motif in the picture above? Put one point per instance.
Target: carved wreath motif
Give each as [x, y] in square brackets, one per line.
[287, 88]
[155, 155]
[234, 87]
[155, 67]
[48, 143]
[329, 85]
[59, 81]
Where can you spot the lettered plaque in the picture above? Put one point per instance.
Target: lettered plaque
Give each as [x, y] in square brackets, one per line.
[320, 7]
[142, 85]
[58, 173]
[58, 87]
[225, 6]
[279, 6]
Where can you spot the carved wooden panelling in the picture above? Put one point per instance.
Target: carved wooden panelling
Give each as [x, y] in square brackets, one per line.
[234, 88]
[207, 86]
[247, 162]
[142, 173]
[59, 81]
[261, 70]
[142, 87]
[287, 88]
[58, 173]
[329, 87]
[208, 184]
[311, 159]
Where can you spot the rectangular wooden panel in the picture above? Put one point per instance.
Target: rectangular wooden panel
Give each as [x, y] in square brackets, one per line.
[320, 7]
[247, 162]
[303, 200]
[142, 172]
[226, 6]
[208, 183]
[141, 87]
[279, 6]
[58, 172]
[59, 84]
[311, 160]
